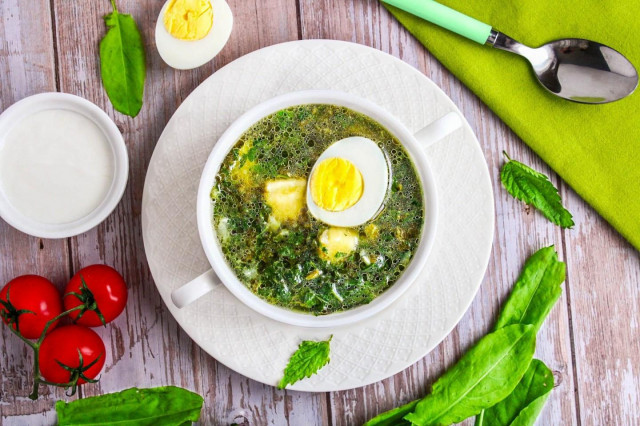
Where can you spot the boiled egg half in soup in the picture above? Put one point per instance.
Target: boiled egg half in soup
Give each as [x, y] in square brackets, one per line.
[348, 183]
[189, 33]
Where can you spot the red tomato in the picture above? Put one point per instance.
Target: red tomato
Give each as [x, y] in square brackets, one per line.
[32, 293]
[107, 289]
[63, 345]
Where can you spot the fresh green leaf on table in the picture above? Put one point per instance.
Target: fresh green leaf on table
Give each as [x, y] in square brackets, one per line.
[484, 376]
[533, 296]
[524, 404]
[166, 405]
[307, 360]
[535, 292]
[394, 417]
[534, 188]
[122, 62]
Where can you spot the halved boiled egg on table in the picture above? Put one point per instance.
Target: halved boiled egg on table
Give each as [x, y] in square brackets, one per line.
[189, 33]
[346, 188]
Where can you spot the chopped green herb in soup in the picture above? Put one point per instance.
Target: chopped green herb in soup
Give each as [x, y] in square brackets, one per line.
[277, 248]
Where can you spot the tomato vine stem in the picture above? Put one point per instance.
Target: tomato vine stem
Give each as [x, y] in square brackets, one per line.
[11, 317]
[37, 378]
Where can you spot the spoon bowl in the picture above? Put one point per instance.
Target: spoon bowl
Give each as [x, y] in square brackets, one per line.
[576, 69]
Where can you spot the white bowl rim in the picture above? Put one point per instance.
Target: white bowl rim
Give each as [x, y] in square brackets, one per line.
[65, 101]
[210, 242]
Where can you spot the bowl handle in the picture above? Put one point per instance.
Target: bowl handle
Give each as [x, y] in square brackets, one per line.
[439, 129]
[195, 289]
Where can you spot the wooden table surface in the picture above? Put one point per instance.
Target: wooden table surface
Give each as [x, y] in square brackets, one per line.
[590, 340]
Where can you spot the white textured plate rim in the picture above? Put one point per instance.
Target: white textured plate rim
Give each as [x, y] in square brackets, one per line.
[483, 257]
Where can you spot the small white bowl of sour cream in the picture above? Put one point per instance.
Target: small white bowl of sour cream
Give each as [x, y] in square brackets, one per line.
[63, 165]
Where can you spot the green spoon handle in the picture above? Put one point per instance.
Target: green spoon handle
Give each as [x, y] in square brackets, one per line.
[445, 17]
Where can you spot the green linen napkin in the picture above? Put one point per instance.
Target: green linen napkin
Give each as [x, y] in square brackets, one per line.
[594, 148]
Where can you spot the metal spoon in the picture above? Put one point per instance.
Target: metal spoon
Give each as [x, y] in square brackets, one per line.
[574, 69]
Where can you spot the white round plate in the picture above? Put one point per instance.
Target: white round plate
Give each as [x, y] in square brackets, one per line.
[368, 351]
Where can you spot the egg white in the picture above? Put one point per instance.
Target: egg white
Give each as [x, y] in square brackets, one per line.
[367, 156]
[188, 54]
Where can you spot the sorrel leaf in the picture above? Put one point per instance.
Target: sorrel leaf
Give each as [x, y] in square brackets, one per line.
[122, 62]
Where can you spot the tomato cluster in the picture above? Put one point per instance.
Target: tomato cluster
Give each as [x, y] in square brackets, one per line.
[68, 355]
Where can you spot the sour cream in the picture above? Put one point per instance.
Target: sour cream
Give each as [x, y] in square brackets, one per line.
[56, 166]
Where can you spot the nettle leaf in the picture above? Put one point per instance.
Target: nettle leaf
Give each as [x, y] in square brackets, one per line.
[122, 62]
[535, 292]
[307, 360]
[525, 403]
[534, 188]
[484, 376]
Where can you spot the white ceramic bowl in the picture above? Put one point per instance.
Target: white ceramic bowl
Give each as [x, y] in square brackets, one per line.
[45, 101]
[201, 285]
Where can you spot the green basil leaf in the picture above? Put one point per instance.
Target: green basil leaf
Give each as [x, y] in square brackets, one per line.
[484, 376]
[394, 417]
[534, 188]
[122, 62]
[535, 292]
[166, 405]
[525, 403]
[306, 360]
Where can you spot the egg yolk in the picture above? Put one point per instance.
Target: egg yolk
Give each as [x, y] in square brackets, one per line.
[336, 184]
[188, 19]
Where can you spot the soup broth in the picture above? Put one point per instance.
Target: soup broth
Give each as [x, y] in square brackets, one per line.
[276, 247]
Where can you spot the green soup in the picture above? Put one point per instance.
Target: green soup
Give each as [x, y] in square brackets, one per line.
[283, 261]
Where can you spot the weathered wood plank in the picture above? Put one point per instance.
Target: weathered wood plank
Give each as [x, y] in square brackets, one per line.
[138, 353]
[146, 347]
[26, 51]
[604, 282]
[519, 232]
[27, 67]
